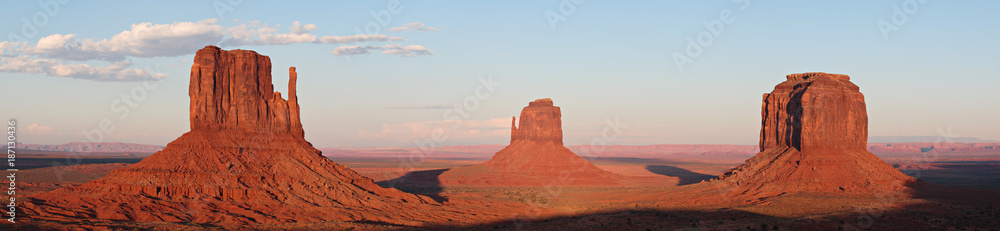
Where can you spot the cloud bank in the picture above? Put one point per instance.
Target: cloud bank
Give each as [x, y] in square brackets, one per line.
[61, 54]
[413, 26]
[393, 49]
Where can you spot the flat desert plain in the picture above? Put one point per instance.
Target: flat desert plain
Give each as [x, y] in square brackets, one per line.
[961, 191]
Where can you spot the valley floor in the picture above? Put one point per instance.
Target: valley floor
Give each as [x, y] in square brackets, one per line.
[665, 194]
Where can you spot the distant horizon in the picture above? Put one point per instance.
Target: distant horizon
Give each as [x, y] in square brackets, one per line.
[903, 139]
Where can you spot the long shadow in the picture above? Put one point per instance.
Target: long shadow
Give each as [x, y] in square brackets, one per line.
[687, 177]
[927, 216]
[961, 174]
[944, 209]
[419, 182]
[629, 220]
[32, 163]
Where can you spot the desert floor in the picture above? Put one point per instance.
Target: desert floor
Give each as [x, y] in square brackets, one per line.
[662, 194]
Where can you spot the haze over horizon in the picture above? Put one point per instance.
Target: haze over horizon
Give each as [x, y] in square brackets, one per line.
[936, 74]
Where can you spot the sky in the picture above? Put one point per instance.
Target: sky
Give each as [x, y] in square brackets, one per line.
[392, 73]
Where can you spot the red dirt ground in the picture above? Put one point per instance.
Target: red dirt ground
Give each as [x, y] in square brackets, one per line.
[665, 203]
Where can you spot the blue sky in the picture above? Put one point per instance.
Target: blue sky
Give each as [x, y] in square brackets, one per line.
[602, 60]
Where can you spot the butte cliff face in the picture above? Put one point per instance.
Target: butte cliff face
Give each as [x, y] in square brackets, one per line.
[232, 91]
[814, 111]
[245, 160]
[541, 121]
[813, 138]
[535, 157]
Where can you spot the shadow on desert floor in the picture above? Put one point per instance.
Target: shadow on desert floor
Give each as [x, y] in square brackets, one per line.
[424, 183]
[686, 176]
[32, 163]
[930, 207]
[960, 174]
[915, 217]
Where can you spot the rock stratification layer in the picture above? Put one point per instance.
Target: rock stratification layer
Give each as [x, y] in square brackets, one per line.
[813, 138]
[245, 160]
[535, 157]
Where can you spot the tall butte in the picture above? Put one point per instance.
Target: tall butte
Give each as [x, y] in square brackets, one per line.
[244, 161]
[813, 138]
[535, 157]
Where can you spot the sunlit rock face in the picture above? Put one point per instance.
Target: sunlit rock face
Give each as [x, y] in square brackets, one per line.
[813, 138]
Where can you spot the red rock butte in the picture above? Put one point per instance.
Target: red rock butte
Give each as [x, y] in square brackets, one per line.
[244, 161]
[535, 157]
[232, 91]
[813, 138]
[540, 122]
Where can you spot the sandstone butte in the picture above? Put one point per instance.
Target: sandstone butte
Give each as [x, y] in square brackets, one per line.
[535, 157]
[813, 139]
[245, 161]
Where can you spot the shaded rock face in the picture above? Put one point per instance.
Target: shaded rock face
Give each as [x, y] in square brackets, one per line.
[244, 161]
[535, 157]
[814, 132]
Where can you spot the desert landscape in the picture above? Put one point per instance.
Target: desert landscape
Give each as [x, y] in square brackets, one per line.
[245, 163]
[623, 115]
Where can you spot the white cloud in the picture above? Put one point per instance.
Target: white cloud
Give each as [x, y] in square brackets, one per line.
[142, 40]
[359, 38]
[257, 33]
[407, 51]
[392, 49]
[413, 26]
[118, 71]
[50, 54]
[36, 129]
[148, 40]
[284, 39]
[298, 28]
[53, 42]
[182, 38]
[10, 47]
[352, 50]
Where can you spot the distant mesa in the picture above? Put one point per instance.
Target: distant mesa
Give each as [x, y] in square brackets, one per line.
[926, 139]
[535, 157]
[109, 147]
[813, 138]
[932, 146]
[244, 161]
